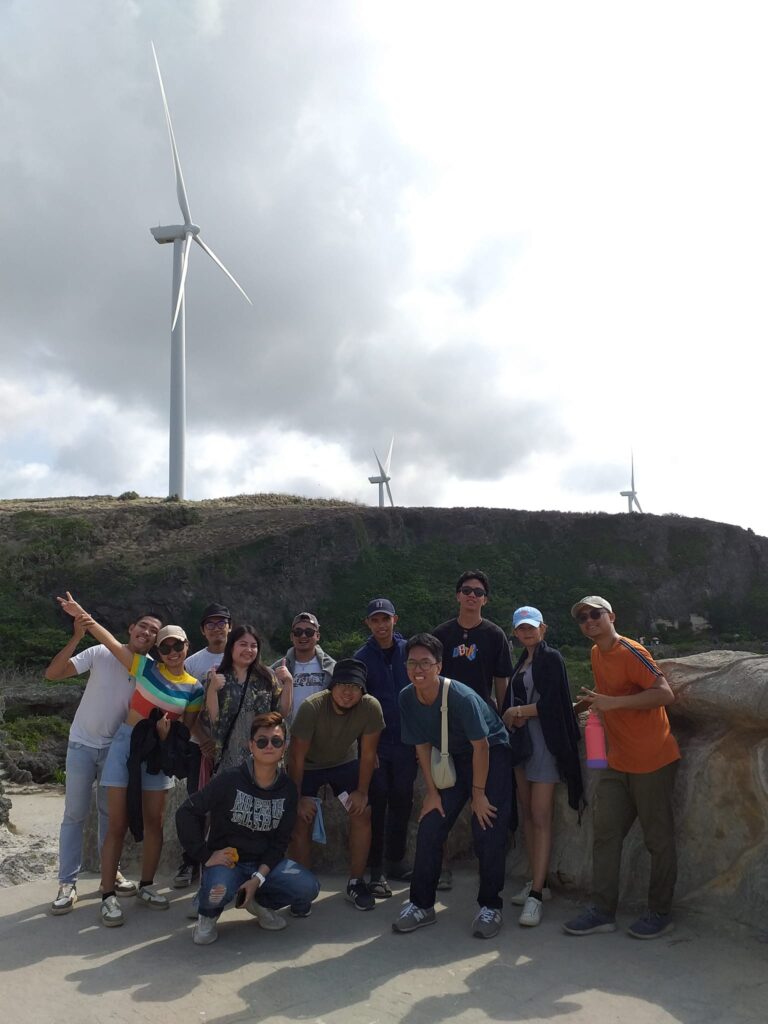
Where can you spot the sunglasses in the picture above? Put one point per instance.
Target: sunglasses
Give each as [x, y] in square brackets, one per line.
[304, 632]
[593, 613]
[172, 645]
[265, 741]
[475, 591]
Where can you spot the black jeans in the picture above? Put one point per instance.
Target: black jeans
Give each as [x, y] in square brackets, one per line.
[193, 784]
[490, 843]
[391, 800]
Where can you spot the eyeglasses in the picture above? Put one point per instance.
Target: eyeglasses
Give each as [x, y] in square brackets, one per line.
[215, 622]
[593, 613]
[309, 631]
[424, 664]
[173, 645]
[475, 591]
[347, 686]
[264, 741]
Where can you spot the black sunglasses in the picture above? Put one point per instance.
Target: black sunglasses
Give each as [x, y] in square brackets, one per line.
[476, 591]
[593, 613]
[173, 645]
[264, 741]
[304, 632]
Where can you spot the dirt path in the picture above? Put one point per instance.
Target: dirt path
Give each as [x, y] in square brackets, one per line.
[29, 848]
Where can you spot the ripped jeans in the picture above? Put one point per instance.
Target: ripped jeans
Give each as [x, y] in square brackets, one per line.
[288, 884]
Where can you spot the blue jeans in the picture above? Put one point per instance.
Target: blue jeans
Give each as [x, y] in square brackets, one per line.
[84, 765]
[490, 843]
[288, 884]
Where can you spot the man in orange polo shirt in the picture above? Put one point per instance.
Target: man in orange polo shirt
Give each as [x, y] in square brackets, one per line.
[631, 695]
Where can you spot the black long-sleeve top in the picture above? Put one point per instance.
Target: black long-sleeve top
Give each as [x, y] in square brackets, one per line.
[257, 822]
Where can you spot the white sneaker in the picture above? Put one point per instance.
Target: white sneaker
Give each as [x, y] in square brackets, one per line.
[123, 885]
[152, 898]
[111, 914]
[205, 931]
[66, 898]
[267, 919]
[531, 915]
[518, 900]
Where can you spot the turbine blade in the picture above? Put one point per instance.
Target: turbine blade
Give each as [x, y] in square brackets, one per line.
[184, 266]
[181, 191]
[388, 463]
[378, 463]
[638, 504]
[389, 493]
[218, 263]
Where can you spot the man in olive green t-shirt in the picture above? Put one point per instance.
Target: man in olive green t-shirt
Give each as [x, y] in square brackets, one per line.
[324, 751]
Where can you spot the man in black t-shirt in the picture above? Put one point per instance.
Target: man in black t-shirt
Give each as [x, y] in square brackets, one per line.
[476, 651]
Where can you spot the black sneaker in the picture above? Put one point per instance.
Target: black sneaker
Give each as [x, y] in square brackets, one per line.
[360, 895]
[185, 875]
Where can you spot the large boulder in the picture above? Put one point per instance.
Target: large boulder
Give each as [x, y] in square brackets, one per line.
[720, 718]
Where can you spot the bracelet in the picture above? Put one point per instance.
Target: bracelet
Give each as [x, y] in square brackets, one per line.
[479, 787]
[261, 878]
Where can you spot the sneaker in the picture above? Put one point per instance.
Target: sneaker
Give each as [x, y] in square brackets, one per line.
[379, 886]
[185, 875]
[193, 908]
[360, 896]
[66, 898]
[445, 881]
[531, 915]
[205, 931]
[300, 911]
[519, 898]
[124, 886]
[487, 923]
[111, 914]
[399, 871]
[589, 921]
[152, 898]
[267, 919]
[412, 917]
[651, 926]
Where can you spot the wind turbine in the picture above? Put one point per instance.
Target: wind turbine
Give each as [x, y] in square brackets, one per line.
[182, 236]
[631, 494]
[383, 478]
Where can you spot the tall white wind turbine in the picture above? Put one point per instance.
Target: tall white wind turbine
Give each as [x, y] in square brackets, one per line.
[383, 478]
[631, 494]
[182, 236]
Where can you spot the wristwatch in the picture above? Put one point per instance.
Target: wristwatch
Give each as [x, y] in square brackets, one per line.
[261, 878]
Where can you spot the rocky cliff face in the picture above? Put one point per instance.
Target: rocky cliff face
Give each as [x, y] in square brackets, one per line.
[269, 560]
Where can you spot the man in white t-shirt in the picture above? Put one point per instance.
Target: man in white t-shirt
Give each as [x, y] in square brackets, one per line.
[102, 709]
[215, 625]
[307, 662]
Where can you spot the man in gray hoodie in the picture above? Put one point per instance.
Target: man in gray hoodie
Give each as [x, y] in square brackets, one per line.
[307, 662]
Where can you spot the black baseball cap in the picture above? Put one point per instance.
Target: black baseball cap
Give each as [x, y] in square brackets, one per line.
[215, 611]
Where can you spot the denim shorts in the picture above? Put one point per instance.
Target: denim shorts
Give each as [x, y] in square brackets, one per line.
[115, 770]
[340, 778]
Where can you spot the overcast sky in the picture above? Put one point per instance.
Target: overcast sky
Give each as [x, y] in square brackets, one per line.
[526, 238]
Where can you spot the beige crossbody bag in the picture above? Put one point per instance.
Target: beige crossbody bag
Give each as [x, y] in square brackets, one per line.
[442, 766]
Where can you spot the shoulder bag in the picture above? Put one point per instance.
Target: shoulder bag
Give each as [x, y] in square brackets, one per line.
[442, 766]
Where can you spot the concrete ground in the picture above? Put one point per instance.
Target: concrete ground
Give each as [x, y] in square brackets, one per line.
[341, 966]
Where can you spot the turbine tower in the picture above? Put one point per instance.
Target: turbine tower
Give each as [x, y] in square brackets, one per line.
[383, 478]
[182, 236]
[631, 494]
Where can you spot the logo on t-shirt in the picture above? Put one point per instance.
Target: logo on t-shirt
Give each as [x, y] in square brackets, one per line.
[256, 814]
[468, 651]
[314, 679]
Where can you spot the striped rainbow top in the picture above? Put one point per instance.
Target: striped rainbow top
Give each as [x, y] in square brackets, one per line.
[157, 688]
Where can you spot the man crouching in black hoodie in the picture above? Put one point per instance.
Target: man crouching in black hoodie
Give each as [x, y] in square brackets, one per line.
[252, 813]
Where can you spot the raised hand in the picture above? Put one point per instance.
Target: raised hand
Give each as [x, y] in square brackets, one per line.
[70, 605]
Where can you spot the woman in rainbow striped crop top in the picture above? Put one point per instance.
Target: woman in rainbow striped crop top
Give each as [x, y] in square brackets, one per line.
[160, 684]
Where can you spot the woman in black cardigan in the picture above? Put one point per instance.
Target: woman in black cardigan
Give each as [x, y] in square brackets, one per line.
[539, 699]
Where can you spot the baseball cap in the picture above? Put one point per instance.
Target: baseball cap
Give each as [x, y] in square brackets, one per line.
[176, 632]
[590, 602]
[306, 617]
[527, 616]
[380, 605]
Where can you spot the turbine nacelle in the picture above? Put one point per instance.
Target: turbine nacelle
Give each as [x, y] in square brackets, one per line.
[174, 232]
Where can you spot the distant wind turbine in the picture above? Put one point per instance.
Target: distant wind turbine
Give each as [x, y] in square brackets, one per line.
[383, 478]
[631, 494]
[182, 236]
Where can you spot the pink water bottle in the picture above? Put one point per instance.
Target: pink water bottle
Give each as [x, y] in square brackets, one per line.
[594, 735]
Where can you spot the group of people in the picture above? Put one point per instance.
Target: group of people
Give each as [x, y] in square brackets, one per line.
[257, 744]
